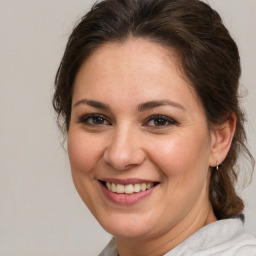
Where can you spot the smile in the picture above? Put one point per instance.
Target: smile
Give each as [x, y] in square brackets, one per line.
[127, 192]
[128, 189]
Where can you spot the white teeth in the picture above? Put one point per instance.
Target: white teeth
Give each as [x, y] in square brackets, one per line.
[128, 189]
[143, 186]
[113, 187]
[108, 185]
[119, 188]
[136, 187]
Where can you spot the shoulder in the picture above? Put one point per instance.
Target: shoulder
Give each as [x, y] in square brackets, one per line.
[222, 238]
[110, 249]
[244, 244]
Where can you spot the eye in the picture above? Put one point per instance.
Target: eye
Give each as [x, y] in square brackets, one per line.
[159, 121]
[94, 119]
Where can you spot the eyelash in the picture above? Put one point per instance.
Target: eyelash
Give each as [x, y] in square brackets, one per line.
[86, 118]
[167, 120]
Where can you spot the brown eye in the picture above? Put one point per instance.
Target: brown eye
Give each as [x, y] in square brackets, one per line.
[159, 121]
[98, 120]
[94, 119]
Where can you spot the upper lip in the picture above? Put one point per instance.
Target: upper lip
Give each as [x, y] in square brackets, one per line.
[127, 181]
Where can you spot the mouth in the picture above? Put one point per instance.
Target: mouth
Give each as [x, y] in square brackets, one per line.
[128, 189]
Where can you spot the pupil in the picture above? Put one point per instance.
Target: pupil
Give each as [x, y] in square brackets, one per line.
[98, 120]
[159, 122]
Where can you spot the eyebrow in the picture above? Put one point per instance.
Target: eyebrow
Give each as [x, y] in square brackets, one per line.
[158, 103]
[141, 107]
[93, 103]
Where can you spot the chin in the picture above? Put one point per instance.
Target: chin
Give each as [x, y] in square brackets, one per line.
[127, 226]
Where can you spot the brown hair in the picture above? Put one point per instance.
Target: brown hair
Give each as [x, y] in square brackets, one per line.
[209, 57]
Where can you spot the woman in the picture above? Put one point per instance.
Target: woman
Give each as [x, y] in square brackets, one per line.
[148, 94]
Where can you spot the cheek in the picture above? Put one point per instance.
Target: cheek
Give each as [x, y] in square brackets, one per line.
[180, 155]
[183, 163]
[84, 152]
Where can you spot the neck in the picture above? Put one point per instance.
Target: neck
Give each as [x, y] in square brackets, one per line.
[160, 244]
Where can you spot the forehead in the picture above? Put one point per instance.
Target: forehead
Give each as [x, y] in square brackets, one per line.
[141, 53]
[137, 68]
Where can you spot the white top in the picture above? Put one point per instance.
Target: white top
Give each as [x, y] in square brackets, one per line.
[220, 238]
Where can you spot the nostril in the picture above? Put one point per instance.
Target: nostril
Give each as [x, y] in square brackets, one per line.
[124, 150]
[123, 159]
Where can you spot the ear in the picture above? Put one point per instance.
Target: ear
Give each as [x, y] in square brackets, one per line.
[221, 139]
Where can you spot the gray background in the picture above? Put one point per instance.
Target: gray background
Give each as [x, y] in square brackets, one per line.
[40, 211]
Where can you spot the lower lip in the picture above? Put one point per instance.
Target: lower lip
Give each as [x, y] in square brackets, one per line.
[126, 199]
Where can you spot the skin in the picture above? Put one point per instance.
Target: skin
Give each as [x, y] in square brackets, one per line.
[125, 144]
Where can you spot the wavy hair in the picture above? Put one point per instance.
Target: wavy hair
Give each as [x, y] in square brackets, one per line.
[209, 59]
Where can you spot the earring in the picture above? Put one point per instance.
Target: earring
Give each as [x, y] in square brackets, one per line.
[217, 166]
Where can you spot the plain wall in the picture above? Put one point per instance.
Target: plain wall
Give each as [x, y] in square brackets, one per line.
[40, 211]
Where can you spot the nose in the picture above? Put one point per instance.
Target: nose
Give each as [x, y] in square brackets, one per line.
[124, 150]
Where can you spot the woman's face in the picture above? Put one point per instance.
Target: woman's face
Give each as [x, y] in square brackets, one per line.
[138, 141]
